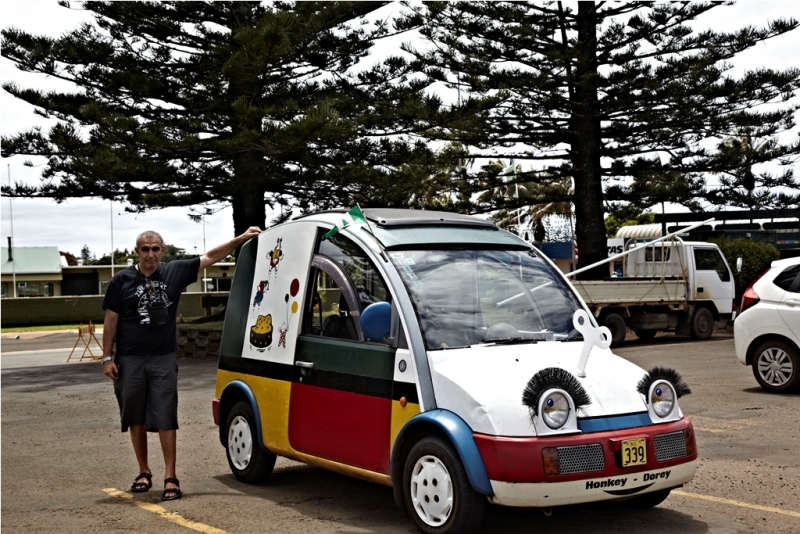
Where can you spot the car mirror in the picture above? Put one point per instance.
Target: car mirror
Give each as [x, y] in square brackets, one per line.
[376, 321]
[739, 265]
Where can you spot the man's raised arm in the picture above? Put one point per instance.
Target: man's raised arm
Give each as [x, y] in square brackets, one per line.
[219, 253]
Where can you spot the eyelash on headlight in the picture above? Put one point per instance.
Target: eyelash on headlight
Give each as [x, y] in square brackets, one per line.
[663, 373]
[549, 378]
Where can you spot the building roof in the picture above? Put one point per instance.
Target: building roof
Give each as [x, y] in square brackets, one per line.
[32, 260]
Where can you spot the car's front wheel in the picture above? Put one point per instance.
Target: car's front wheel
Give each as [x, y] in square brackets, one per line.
[247, 460]
[438, 495]
[776, 366]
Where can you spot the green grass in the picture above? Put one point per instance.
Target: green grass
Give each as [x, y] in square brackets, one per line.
[42, 328]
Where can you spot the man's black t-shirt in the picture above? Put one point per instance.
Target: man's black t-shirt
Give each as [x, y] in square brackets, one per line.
[130, 293]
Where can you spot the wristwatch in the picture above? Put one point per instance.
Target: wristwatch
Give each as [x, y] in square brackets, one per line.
[106, 359]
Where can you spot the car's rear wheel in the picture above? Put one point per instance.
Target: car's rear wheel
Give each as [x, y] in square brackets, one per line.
[247, 460]
[438, 495]
[702, 323]
[776, 366]
[616, 324]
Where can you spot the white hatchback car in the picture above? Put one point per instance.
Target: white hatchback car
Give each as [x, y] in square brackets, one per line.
[767, 330]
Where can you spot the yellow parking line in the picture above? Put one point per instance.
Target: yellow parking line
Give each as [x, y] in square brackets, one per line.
[166, 514]
[736, 503]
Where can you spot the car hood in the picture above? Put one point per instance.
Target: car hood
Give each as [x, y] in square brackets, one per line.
[483, 384]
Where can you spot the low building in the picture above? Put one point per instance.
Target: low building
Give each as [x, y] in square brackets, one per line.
[43, 272]
[36, 271]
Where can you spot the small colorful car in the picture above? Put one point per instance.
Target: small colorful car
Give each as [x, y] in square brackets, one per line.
[442, 356]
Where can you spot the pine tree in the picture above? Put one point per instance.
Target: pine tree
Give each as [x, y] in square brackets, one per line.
[606, 94]
[185, 103]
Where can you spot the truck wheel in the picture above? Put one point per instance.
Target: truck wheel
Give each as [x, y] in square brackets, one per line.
[776, 366]
[702, 323]
[439, 497]
[248, 461]
[616, 324]
[646, 335]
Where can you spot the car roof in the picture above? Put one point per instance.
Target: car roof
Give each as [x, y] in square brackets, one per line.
[785, 262]
[407, 228]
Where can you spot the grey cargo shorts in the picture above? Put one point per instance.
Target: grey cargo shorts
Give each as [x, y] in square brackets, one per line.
[147, 391]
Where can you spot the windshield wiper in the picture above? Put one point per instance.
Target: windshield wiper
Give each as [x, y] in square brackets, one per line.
[574, 336]
[510, 340]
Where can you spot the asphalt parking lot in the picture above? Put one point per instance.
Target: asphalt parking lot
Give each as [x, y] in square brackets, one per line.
[67, 468]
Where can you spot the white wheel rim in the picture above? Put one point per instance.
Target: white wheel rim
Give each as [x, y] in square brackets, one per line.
[775, 366]
[240, 443]
[432, 491]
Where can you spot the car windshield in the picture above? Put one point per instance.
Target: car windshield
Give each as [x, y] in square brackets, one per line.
[465, 297]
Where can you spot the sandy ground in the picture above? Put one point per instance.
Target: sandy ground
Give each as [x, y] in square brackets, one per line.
[62, 453]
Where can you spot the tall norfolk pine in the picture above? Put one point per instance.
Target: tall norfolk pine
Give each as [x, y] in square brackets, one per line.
[609, 94]
[179, 103]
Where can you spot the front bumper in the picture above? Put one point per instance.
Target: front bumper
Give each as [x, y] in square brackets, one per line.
[545, 494]
[589, 467]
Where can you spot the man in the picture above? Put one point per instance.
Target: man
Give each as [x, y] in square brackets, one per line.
[141, 306]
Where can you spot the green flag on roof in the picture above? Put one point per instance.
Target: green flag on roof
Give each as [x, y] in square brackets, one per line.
[354, 217]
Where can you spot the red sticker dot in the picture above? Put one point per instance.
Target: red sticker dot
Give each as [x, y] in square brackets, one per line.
[295, 287]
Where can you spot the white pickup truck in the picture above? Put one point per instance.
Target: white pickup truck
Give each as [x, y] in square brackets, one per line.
[682, 286]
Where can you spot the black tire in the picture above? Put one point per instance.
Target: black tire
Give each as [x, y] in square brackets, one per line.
[248, 461]
[648, 500]
[616, 324]
[438, 495]
[702, 323]
[646, 335]
[776, 366]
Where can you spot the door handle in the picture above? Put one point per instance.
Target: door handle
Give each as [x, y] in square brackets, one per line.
[305, 369]
[792, 302]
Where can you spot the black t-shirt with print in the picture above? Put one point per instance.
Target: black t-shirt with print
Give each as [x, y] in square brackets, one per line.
[129, 294]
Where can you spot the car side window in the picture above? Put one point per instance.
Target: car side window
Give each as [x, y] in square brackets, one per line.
[709, 259]
[330, 313]
[789, 279]
[344, 283]
[360, 270]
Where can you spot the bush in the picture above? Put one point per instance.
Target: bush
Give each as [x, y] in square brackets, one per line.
[756, 258]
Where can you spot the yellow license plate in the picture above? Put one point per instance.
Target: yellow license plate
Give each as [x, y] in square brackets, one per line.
[634, 452]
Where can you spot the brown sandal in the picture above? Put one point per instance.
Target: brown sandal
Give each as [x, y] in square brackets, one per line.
[171, 494]
[141, 487]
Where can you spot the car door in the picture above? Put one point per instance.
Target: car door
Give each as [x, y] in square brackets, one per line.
[341, 399]
[712, 279]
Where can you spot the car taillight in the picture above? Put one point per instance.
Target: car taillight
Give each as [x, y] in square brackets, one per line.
[750, 297]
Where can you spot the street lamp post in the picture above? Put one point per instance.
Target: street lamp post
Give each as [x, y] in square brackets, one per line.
[112, 238]
[11, 241]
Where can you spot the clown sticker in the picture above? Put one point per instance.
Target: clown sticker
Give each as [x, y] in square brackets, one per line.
[284, 328]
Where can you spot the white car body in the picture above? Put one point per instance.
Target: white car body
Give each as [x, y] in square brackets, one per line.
[775, 318]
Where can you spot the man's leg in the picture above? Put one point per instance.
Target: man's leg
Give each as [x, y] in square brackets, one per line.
[139, 441]
[169, 440]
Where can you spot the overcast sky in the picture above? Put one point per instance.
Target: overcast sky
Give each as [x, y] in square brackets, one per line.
[78, 222]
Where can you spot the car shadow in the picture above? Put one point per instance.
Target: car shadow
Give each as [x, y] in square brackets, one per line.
[369, 507]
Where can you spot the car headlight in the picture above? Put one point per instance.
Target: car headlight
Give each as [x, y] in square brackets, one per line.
[555, 409]
[662, 398]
